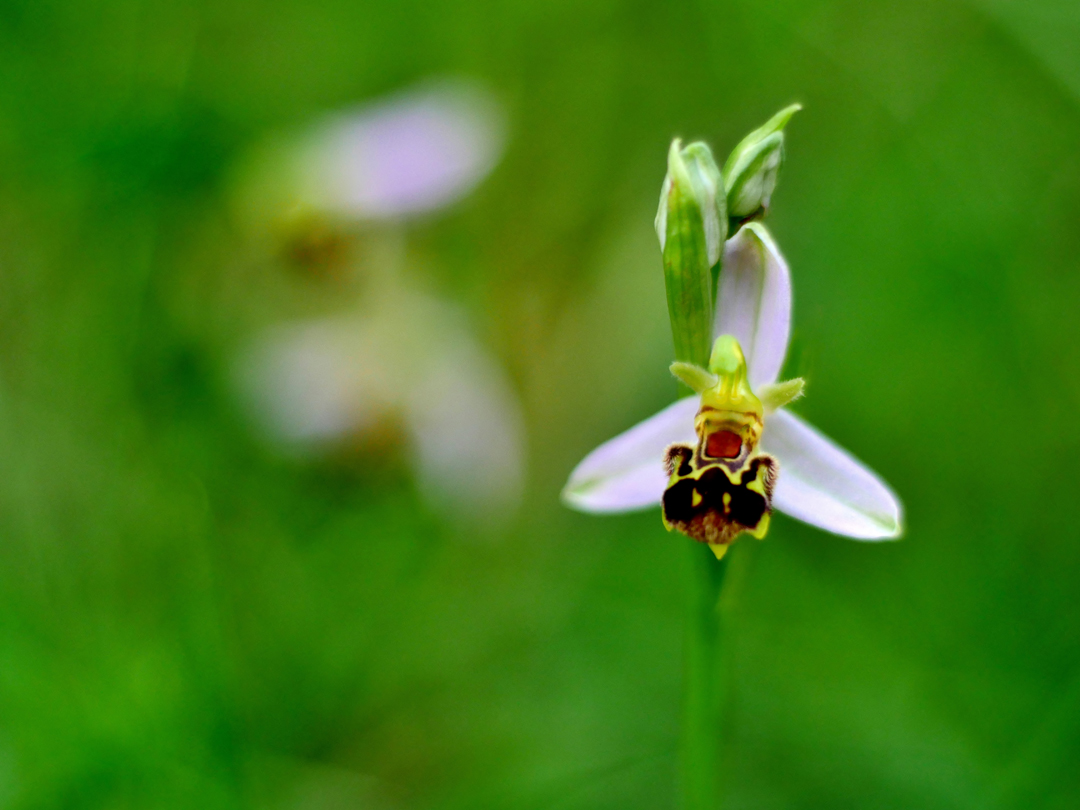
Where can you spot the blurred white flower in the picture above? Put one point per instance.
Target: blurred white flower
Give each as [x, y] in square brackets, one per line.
[405, 154]
[405, 357]
[412, 152]
[316, 385]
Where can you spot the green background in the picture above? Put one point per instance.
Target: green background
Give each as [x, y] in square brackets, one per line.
[188, 619]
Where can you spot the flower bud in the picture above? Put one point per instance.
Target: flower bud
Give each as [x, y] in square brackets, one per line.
[691, 224]
[752, 168]
[697, 175]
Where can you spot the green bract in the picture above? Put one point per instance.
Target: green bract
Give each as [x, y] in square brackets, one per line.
[691, 224]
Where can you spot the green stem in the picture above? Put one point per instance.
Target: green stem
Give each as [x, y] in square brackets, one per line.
[692, 215]
[703, 685]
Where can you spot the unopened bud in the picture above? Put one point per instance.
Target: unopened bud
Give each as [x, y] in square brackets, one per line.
[693, 173]
[752, 168]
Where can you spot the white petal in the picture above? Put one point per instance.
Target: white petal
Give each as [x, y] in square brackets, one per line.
[409, 153]
[627, 472]
[754, 301]
[825, 486]
[312, 383]
[321, 384]
[468, 434]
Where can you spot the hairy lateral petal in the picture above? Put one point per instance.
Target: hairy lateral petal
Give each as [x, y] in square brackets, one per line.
[754, 301]
[825, 486]
[627, 472]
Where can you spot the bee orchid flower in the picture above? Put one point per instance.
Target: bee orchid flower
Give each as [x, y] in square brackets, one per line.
[720, 461]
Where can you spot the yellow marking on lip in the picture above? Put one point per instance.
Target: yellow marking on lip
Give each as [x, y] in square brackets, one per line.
[762, 528]
[695, 499]
[727, 503]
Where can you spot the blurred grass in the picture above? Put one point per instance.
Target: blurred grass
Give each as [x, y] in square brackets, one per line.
[188, 620]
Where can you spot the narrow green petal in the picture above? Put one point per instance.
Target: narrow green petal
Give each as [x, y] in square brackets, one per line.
[775, 396]
[695, 377]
